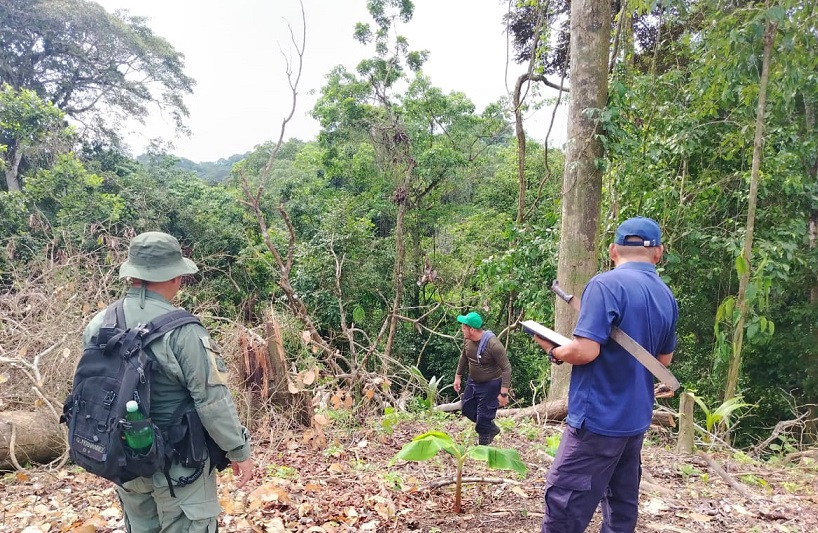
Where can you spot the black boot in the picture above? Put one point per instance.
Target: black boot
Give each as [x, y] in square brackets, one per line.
[485, 440]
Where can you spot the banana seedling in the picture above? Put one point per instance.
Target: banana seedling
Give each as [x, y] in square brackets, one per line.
[426, 446]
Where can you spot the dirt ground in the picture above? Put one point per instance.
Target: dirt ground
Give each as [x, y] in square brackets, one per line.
[348, 481]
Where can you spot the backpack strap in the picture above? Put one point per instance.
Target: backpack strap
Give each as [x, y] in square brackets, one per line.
[112, 323]
[484, 340]
[167, 322]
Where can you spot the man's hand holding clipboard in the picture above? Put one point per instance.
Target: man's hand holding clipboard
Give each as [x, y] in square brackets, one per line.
[537, 330]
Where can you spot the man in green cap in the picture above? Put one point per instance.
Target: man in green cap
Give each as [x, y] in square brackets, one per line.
[489, 376]
[190, 374]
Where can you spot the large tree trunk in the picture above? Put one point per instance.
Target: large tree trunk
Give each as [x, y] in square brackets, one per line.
[401, 199]
[14, 156]
[37, 438]
[582, 179]
[741, 301]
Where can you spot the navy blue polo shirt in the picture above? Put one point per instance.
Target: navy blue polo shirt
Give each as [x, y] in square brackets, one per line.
[613, 394]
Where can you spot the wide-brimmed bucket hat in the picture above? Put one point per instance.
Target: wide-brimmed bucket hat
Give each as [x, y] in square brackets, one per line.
[156, 256]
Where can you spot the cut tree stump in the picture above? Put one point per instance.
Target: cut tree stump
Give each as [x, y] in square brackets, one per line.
[684, 444]
[38, 438]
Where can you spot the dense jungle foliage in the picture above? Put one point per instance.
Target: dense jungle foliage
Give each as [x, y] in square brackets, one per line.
[406, 204]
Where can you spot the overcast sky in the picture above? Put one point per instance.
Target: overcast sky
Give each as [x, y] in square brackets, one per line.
[233, 51]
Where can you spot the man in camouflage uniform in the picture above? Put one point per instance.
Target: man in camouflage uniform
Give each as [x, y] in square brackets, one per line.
[189, 372]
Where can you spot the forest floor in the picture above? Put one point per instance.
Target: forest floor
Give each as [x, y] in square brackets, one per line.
[351, 482]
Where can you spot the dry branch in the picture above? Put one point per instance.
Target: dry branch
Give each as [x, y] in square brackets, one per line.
[451, 481]
[812, 454]
[724, 475]
[782, 428]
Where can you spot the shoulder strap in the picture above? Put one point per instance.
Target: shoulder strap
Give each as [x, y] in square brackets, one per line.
[167, 322]
[484, 340]
[113, 322]
[141, 337]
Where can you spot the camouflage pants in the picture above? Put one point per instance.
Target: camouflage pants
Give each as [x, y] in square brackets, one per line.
[149, 507]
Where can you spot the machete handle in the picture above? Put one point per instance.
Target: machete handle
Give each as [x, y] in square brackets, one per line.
[556, 289]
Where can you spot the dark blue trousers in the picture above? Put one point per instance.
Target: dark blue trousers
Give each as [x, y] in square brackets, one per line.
[590, 468]
[480, 404]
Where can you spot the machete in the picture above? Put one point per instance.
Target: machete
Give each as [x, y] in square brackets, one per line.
[626, 341]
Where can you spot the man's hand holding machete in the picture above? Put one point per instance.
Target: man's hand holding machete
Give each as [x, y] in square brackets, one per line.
[655, 365]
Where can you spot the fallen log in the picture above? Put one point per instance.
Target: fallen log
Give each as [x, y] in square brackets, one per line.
[724, 475]
[33, 437]
[556, 410]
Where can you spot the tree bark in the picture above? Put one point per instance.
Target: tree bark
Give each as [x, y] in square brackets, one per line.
[741, 301]
[13, 158]
[582, 178]
[401, 199]
[37, 438]
[684, 442]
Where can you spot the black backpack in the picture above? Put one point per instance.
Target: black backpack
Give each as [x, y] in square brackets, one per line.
[115, 368]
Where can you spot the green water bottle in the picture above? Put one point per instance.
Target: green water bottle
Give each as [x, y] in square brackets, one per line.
[139, 441]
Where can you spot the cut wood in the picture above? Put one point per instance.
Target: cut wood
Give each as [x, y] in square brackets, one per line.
[724, 475]
[684, 443]
[555, 411]
[38, 438]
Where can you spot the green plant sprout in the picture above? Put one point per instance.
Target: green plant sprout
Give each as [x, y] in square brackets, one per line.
[752, 479]
[426, 446]
[389, 420]
[432, 387]
[552, 443]
[721, 416]
[278, 471]
[687, 471]
[393, 479]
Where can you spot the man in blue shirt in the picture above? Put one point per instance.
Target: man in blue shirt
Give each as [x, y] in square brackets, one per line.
[610, 399]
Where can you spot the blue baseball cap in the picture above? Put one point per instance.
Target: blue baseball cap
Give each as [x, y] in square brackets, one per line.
[645, 228]
[473, 320]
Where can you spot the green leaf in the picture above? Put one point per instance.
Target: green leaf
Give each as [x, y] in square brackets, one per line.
[426, 446]
[358, 314]
[701, 404]
[777, 14]
[752, 330]
[498, 458]
[751, 292]
[742, 266]
[503, 459]
[725, 310]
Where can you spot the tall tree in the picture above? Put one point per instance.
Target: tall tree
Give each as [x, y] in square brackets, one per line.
[747, 252]
[96, 67]
[582, 178]
[27, 125]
